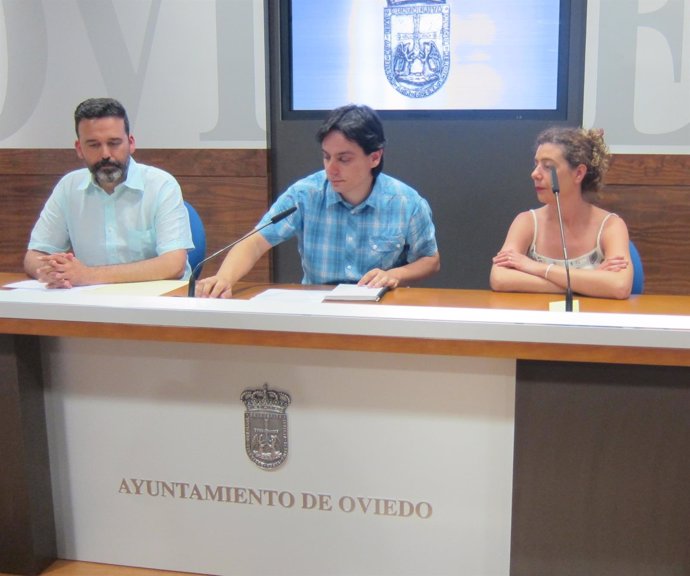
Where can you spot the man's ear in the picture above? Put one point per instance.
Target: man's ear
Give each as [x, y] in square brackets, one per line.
[376, 157]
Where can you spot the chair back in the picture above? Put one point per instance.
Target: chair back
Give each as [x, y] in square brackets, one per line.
[196, 255]
[638, 270]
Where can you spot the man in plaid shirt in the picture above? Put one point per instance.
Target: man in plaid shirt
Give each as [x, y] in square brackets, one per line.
[353, 223]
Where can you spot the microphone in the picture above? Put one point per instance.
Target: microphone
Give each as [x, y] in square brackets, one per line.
[277, 218]
[568, 289]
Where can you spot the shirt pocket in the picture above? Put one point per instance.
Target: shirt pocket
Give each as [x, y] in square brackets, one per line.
[142, 243]
[386, 251]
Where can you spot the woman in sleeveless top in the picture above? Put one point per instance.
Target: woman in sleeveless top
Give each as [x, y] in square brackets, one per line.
[531, 259]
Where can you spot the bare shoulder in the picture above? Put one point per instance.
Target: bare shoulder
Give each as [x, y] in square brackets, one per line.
[526, 218]
[520, 233]
[611, 220]
[614, 234]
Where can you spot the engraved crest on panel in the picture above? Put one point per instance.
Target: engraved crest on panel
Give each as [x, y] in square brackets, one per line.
[265, 426]
[416, 54]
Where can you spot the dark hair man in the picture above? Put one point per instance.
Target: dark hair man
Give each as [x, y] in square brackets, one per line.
[354, 224]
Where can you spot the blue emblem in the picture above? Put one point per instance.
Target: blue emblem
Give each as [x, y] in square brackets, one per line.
[416, 55]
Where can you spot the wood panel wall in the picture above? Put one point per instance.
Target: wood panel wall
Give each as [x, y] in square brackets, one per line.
[229, 189]
[652, 194]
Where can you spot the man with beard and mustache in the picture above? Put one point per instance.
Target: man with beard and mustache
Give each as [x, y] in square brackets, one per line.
[113, 221]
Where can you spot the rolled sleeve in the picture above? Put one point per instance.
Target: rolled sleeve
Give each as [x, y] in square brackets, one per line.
[50, 234]
[172, 220]
[422, 232]
[281, 231]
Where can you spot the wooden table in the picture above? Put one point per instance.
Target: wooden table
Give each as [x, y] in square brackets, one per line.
[601, 435]
[481, 299]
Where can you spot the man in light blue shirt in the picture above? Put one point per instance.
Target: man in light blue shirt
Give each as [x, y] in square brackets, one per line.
[353, 223]
[113, 221]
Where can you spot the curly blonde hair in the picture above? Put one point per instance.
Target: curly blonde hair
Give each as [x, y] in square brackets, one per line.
[581, 146]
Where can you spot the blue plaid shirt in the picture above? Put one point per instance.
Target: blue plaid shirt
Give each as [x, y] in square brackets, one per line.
[339, 242]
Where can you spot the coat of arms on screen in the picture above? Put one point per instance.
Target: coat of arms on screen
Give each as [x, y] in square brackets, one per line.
[265, 426]
[416, 54]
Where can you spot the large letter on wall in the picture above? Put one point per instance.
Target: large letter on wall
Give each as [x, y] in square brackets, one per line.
[638, 74]
[237, 113]
[26, 64]
[110, 49]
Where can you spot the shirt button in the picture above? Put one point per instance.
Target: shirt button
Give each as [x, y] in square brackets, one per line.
[374, 246]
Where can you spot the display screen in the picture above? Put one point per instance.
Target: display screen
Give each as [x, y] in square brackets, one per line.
[498, 57]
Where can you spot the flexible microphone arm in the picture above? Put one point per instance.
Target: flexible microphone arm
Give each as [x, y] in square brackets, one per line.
[277, 218]
[568, 289]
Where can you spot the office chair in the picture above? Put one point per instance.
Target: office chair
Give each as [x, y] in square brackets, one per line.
[638, 270]
[198, 237]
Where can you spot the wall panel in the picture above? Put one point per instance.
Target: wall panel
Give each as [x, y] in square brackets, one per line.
[652, 193]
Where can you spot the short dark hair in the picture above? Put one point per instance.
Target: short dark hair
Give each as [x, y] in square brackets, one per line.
[100, 108]
[357, 123]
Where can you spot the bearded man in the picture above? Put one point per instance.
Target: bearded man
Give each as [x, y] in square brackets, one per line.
[114, 220]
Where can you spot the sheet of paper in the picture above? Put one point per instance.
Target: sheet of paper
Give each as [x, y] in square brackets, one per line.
[281, 295]
[36, 285]
[153, 288]
[559, 306]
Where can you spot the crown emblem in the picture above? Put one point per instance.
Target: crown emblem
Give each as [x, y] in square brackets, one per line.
[265, 399]
[265, 426]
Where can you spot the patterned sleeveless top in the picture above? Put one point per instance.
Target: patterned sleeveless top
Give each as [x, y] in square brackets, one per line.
[587, 261]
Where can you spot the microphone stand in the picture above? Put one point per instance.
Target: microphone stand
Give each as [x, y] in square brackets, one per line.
[192, 279]
[568, 290]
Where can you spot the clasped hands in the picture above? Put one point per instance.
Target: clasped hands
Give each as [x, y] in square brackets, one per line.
[61, 270]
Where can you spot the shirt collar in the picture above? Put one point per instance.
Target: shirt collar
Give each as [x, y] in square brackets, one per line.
[374, 200]
[134, 180]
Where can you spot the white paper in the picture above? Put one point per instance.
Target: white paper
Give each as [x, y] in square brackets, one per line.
[36, 285]
[559, 306]
[152, 288]
[282, 295]
[355, 292]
